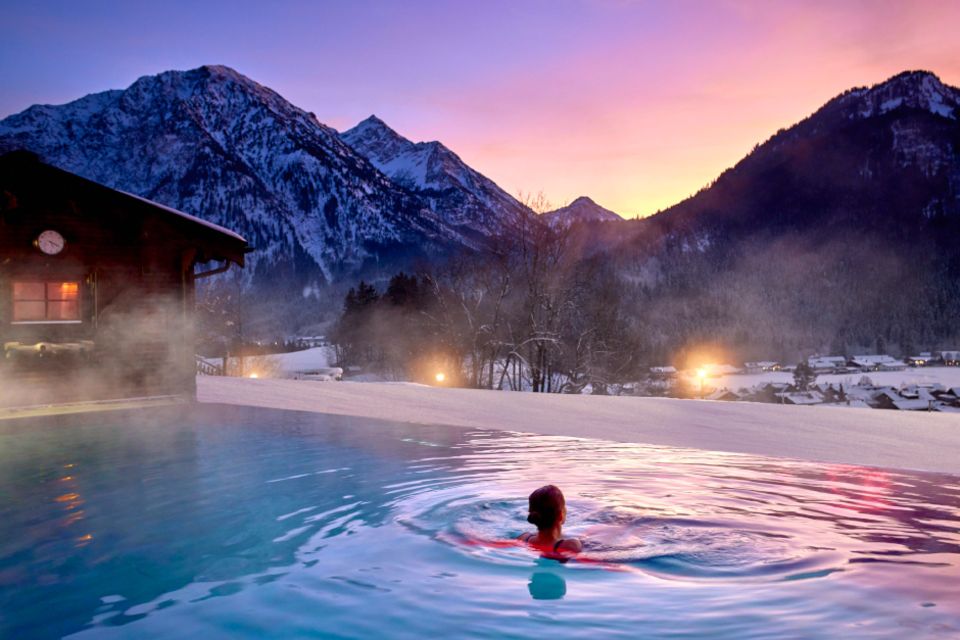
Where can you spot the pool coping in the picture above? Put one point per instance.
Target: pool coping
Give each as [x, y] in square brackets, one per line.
[89, 406]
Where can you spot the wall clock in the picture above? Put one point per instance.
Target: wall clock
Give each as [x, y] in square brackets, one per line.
[50, 242]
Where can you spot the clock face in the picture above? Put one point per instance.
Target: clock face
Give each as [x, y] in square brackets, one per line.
[51, 242]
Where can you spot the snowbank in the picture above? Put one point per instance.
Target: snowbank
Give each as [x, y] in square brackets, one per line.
[913, 440]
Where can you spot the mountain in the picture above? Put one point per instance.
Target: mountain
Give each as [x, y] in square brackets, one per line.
[837, 231]
[840, 230]
[879, 157]
[216, 144]
[462, 197]
[583, 209]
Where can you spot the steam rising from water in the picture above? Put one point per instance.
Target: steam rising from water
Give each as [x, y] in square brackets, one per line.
[139, 345]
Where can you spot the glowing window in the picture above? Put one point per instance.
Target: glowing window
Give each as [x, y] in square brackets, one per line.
[46, 302]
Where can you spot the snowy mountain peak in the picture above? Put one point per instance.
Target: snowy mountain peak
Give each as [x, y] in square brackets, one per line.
[462, 196]
[222, 71]
[379, 143]
[920, 90]
[373, 123]
[197, 81]
[213, 143]
[583, 209]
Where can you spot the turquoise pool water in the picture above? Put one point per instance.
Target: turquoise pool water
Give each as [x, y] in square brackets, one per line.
[225, 522]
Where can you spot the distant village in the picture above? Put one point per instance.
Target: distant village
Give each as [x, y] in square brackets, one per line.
[806, 390]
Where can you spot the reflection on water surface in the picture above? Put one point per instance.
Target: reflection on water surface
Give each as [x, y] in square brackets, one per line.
[240, 522]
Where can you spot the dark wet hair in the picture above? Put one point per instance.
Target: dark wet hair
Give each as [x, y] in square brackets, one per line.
[546, 504]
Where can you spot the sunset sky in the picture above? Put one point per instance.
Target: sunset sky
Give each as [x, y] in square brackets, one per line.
[636, 104]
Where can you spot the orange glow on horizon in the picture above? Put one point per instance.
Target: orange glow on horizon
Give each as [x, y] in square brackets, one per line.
[644, 104]
[637, 134]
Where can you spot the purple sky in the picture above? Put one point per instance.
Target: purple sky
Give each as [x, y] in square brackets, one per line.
[636, 104]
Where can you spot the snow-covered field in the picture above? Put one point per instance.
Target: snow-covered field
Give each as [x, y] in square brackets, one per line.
[282, 365]
[290, 364]
[949, 377]
[914, 440]
[306, 360]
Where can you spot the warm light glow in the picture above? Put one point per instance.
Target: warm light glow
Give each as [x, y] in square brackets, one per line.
[253, 375]
[441, 377]
[701, 373]
[861, 489]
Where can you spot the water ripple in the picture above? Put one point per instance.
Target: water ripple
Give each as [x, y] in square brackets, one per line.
[255, 523]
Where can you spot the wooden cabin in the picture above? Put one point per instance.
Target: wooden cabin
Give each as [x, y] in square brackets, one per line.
[97, 288]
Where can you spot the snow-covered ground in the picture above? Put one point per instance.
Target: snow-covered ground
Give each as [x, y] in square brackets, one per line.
[281, 365]
[306, 360]
[949, 377]
[914, 440]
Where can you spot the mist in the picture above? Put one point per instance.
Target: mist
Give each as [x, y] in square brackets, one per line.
[142, 345]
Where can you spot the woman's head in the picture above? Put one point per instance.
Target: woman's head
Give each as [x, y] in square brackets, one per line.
[547, 507]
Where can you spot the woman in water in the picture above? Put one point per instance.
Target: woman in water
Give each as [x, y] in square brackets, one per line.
[548, 511]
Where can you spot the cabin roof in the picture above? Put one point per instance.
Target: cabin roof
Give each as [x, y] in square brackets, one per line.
[186, 216]
[23, 168]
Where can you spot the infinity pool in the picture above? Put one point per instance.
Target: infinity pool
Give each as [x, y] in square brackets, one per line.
[227, 522]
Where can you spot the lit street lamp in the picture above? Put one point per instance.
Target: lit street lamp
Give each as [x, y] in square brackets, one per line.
[701, 375]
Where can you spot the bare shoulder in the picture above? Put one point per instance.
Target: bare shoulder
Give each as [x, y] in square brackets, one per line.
[572, 545]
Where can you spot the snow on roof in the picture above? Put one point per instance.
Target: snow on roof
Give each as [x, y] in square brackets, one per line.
[861, 393]
[663, 370]
[305, 360]
[719, 394]
[186, 216]
[888, 392]
[875, 359]
[802, 397]
[762, 364]
[774, 385]
[904, 404]
[826, 362]
[916, 392]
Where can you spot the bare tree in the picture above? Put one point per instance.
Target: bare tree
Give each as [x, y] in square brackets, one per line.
[544, 268]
